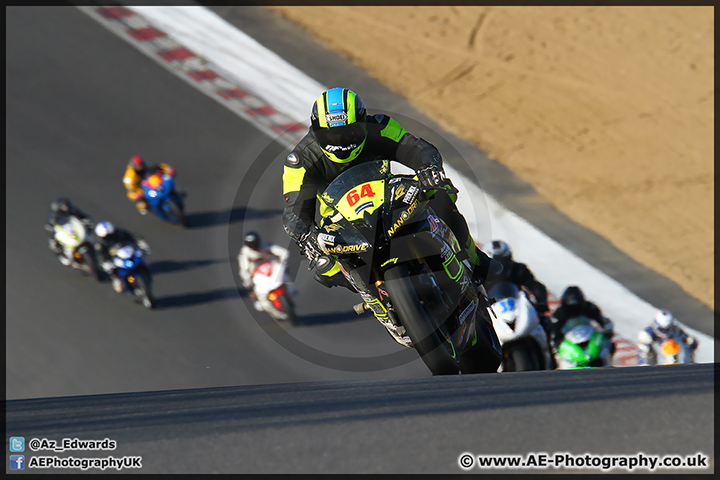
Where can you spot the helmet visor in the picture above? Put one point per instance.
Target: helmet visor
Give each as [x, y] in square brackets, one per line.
[341, 141]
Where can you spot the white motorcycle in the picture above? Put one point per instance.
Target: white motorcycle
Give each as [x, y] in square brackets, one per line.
[271, 288]
[516, 322]
[75, 238]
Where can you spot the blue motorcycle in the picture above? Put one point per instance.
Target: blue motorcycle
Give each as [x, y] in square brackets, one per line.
[162, 199]
[130, 267]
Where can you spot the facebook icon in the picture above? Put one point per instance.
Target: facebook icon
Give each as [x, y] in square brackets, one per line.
[17, 462]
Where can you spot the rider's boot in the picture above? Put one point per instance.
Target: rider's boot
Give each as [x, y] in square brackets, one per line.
[55, 246]
[116, 284]
[328, 273]
[141, 207]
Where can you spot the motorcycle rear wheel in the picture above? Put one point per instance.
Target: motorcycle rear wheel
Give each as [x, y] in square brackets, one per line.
[142, 292]
[436, 352]
[288, 309]
[90, 265]
[175, 212]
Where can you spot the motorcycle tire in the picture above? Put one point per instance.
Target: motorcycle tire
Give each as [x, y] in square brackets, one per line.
[482, 357]
[175, 213]
[522, 360]
[90, 265]
[288, 309]
[142, 292]
[436, 352]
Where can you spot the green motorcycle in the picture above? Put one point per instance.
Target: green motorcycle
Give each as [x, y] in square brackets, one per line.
[583, 345]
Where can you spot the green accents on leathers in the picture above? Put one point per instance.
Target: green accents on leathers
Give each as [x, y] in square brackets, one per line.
[393, 131]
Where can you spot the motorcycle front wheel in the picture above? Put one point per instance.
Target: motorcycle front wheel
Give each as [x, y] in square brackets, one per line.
[436, 351]
[483, 357]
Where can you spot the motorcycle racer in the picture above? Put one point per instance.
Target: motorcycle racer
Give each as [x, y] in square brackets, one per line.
[662, 328]
[108, 236]
[60, 210]
[572, 304]
[135, 173]
[341, 136]
[253, 252]
[517, 273]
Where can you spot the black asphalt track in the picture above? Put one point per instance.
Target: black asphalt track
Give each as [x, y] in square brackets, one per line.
[419, 425]
[79, 102]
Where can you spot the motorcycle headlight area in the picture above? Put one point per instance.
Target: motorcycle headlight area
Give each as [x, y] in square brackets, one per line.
[580, 334]
[504, 309]
[125, 252]
[120, 263]
[123, 257]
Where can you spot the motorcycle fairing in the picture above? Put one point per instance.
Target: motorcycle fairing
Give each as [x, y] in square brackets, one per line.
[368, 239]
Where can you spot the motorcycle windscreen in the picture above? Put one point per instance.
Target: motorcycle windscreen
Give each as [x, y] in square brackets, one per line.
[503, 290]
[358, 189]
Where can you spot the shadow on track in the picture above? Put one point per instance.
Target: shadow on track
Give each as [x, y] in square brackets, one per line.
[169, 266]
[312, 320]
[195, 298]
[233, 215]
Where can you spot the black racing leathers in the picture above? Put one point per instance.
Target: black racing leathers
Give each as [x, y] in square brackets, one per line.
[57, 218]
[564, 313]
[519, 274]
[308, 171]
[119, 236]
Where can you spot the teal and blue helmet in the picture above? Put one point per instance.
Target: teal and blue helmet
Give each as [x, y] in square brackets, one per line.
[338, 121]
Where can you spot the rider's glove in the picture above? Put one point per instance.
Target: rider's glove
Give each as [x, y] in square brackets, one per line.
[309, 245]
[432, 176]
[144, 246]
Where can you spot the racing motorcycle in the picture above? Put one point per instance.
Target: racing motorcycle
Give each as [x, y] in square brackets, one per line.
[75, 238]
[523, 339]
[583, 345]
[671, 351]
[270, 288]
[162, 198]
[404, 262]
[130, 267]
